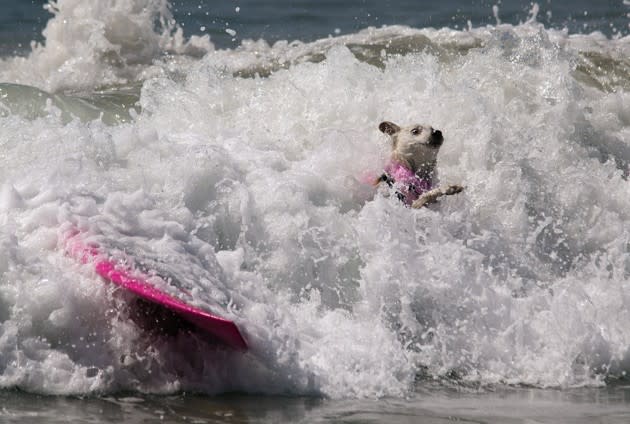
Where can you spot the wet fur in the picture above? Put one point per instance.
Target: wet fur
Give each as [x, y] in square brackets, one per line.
[417, 147]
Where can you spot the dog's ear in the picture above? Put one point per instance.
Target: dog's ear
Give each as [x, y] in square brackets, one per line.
[388, 128]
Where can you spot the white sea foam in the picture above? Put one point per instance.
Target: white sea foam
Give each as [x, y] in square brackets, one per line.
[249, 189]
[91, 43]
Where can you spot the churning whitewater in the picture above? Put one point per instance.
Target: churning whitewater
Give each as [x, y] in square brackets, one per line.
[240, 172]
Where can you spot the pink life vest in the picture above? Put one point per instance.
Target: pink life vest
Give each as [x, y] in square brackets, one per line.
[409, 186]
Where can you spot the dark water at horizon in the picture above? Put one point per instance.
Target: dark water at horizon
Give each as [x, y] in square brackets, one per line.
[22, 21]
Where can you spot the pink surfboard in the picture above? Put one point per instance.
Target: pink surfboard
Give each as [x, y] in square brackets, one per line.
[139, 284]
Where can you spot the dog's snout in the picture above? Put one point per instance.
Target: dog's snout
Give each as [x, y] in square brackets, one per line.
[436, 137]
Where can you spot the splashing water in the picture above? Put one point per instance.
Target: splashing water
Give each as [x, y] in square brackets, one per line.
[93, 43]
[240, 172]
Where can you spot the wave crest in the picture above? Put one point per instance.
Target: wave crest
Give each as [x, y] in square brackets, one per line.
[91, 43]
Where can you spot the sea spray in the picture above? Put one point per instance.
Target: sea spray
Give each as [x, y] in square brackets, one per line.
[240, 171]
[97, 43]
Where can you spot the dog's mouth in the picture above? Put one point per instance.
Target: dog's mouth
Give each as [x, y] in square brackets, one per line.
[436, 138]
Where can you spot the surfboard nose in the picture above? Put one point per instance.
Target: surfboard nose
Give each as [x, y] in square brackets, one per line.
[130, 279]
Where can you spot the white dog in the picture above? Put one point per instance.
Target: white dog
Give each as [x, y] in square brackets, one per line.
[411, 167]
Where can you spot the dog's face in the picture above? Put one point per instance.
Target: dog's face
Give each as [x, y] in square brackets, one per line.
[415, 145]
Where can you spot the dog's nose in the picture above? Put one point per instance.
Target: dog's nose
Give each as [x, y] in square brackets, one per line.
[436, 137]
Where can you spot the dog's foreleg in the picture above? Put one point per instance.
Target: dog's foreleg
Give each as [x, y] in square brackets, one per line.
[431, 196]
[427, 198]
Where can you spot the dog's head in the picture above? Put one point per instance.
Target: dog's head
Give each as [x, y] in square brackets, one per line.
[416, 146]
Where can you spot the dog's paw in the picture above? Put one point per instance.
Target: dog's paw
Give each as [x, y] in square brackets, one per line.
[453, 189]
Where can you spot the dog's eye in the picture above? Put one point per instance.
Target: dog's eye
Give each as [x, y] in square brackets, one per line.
[416, 131]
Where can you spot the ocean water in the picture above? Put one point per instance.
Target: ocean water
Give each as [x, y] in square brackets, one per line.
[230, 143]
